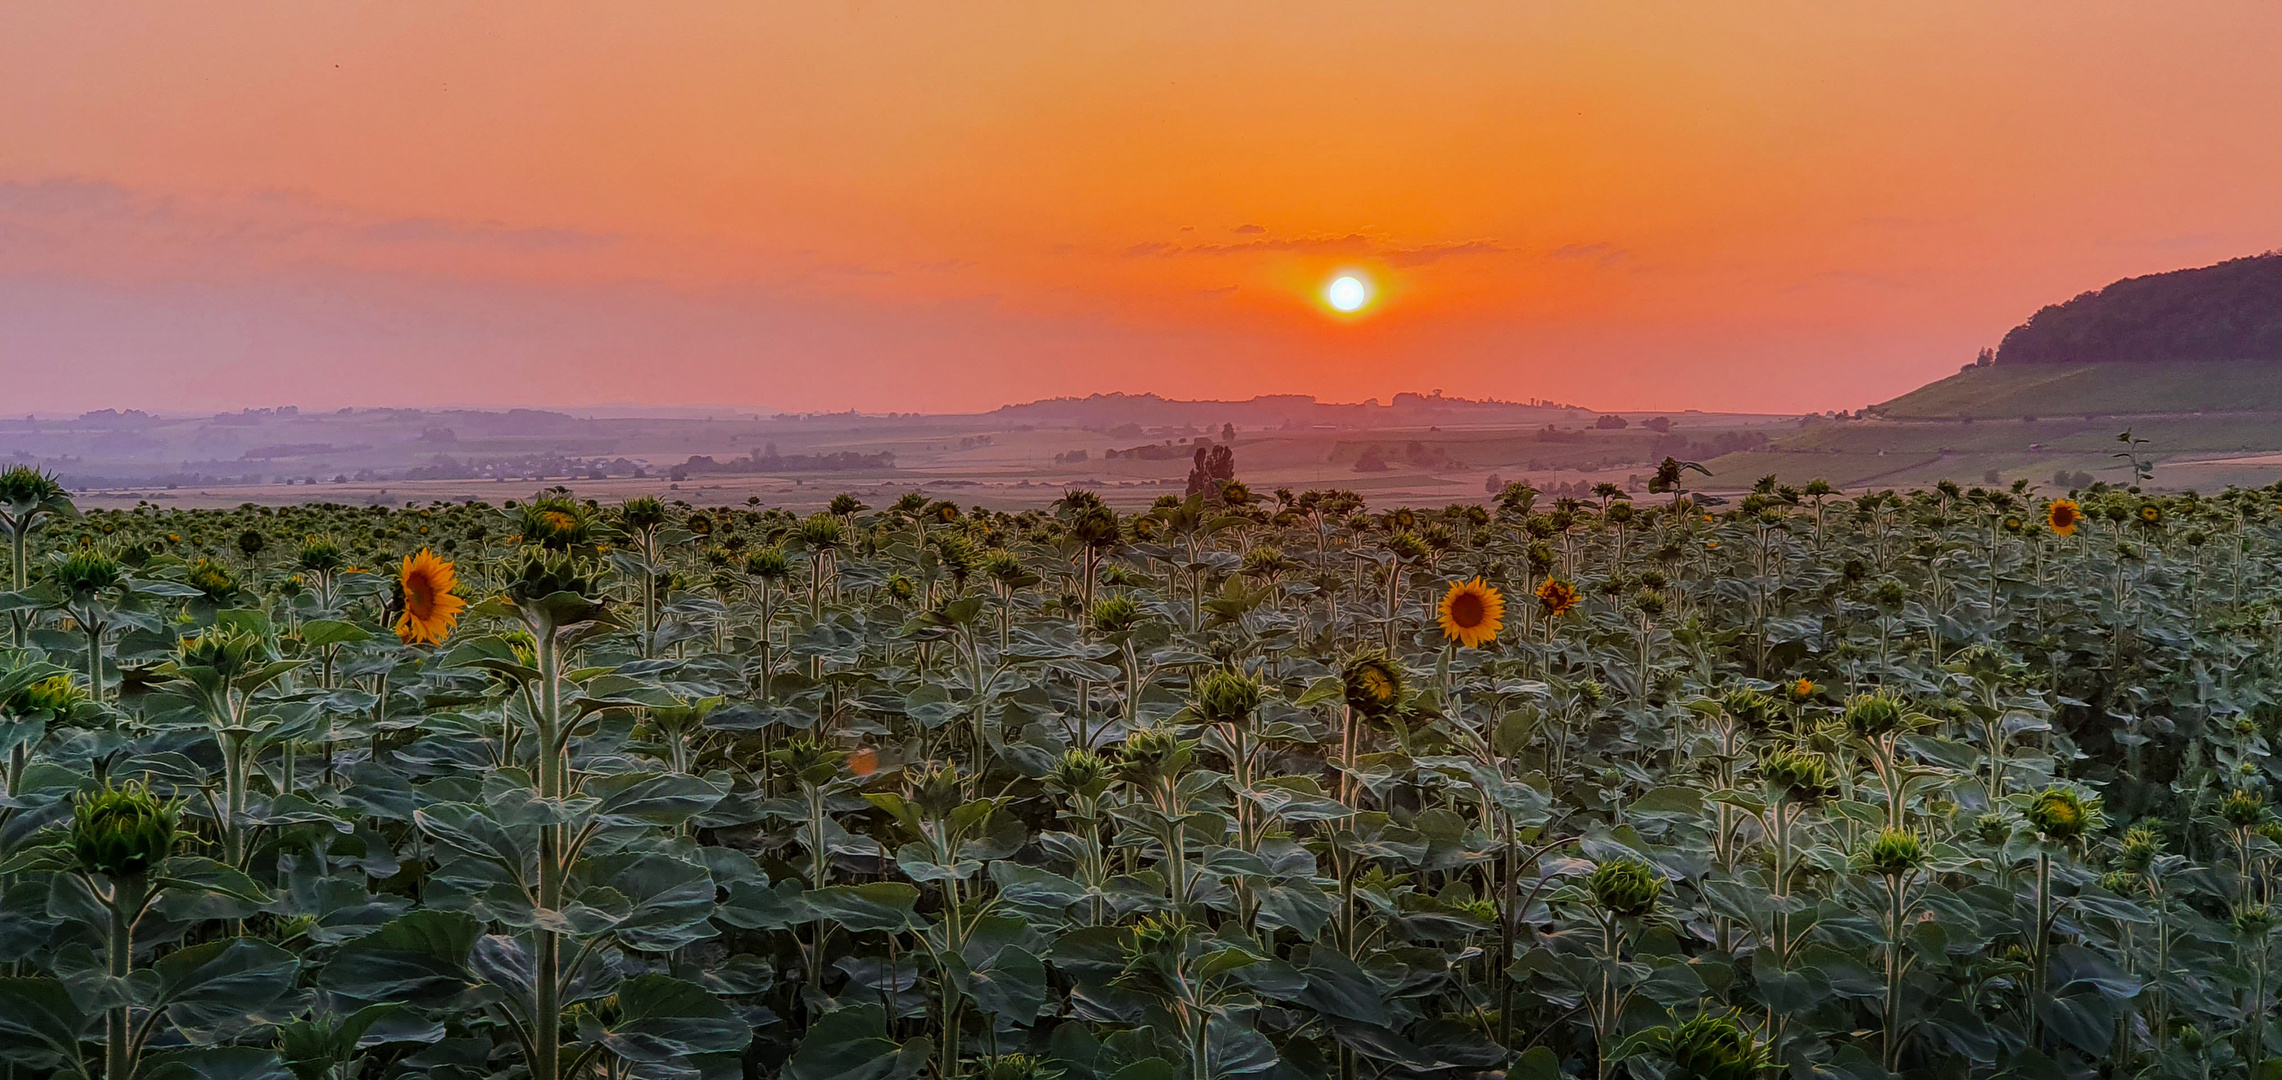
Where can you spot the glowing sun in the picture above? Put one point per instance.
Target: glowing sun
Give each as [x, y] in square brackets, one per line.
[1347, 293]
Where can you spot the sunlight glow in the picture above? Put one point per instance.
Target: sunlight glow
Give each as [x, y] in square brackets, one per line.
[1347, 293]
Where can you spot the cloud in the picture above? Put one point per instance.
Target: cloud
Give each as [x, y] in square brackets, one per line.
[94, 220]
[1357, 244]
[431, 230]
[1602, 252]
[65, 195]
[1246, 229]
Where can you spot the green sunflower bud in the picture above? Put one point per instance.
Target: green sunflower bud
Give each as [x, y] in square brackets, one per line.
[1715, 1047]
[121, 832]
[2061, 815]
[1226, 697]
[1625, 887]
[1799, 776]
[2243, 808]
[1895, 853]
[2141, 844]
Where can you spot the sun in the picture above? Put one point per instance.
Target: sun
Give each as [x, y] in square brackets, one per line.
[1347, 293]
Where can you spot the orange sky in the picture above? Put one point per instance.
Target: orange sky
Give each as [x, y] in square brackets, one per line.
[950, 206]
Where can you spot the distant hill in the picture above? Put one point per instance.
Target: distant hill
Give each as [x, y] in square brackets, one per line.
[2189, 360]
[2231, 311]
[1270, 410]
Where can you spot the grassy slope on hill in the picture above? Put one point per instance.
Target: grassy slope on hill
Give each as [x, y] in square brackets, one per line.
[2014, 391]
[2034, 420]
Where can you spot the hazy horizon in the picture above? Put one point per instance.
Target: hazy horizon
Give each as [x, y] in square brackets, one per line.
[1786, 208]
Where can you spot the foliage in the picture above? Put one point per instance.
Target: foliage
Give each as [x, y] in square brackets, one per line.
[1852, 787]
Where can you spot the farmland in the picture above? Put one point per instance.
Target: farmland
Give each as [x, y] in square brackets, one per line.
[1235, 783]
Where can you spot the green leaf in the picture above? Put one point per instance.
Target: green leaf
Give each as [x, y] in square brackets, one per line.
[224, 989]
[421, 957]
[662, 800]
[215, 1063]
[324, 633]
[853, 1044]
[662, 1020]
[880, 905]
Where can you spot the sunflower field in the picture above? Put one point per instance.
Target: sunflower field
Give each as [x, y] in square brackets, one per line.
[1944, 783]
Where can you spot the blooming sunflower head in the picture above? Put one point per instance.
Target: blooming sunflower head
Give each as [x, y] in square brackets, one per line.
[1556, 597]
[2062, 516]
[1373, 683]
[1471, 613]
[2150, 514]
[430, 607]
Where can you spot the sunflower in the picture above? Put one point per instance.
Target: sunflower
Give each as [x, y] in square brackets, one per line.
[2063, 515]
[1472, 612]
[2150, 514]
[430, 609]
[1556, 597]
[1373, 683]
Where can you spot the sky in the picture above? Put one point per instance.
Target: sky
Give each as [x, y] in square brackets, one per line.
[823, 205]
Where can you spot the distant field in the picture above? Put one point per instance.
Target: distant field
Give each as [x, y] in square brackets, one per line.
[2041, 390]
[2207, 424]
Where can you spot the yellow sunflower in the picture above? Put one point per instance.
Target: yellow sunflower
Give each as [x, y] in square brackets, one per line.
[1472, 613]
[1556, 597]
[2063, 515]
[430, 608]
[2150, 514]
[1373, 683]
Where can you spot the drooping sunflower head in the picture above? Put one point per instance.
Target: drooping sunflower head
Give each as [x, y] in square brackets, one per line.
[1471, 613]
[769, 564]
[213, 581]
[1802, 776]
[55, 696]
[87, 571]
[641, 514]
[1556, 597]
[822, 531]
[554, 522]
[431, 608]
[1715, 1046]
[2062, 516]
[1374, 683]
[2254, 921]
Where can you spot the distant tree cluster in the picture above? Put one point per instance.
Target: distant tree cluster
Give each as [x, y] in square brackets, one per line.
[2231, 311]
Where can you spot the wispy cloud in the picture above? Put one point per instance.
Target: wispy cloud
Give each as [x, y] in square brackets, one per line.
[1600, 252]
[1358, 244]
[431, 230]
